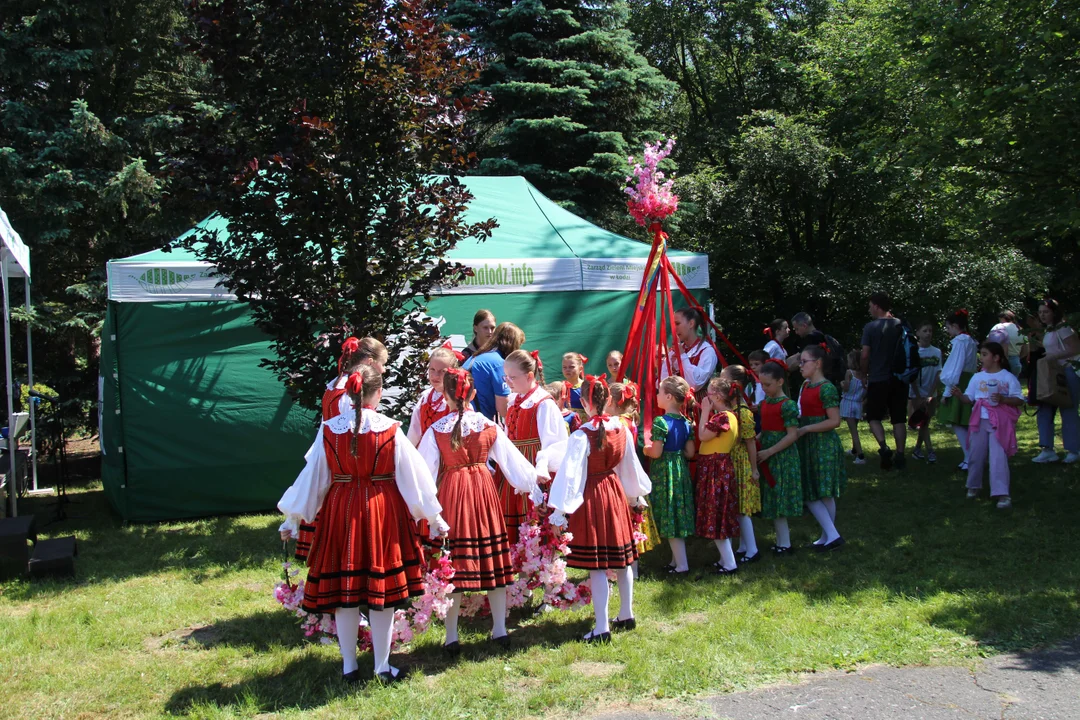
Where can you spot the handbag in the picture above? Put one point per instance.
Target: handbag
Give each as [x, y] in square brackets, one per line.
[1051, 386]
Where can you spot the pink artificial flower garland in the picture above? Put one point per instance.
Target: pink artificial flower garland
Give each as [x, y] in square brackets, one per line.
[652, 197]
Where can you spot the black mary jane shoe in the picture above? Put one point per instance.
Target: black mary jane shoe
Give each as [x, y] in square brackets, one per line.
[620, 625]
[777, 550]
[597, 639]
[352, 678]
[678, 573]
[838, 542]
[452, 649]
[501, 642]
[389, 678]
[747, 559]
[724, 571]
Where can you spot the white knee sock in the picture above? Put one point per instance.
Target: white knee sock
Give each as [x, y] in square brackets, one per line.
[747, 541]
[962, 438]
[633, 566]
[382, 635]
[497, 600]
[452, 618]
[625, 580]
[727, 556]
[830, 503]
[783, 534]
[348, 629]
[821, 514]
[600, 592]
[678, 554]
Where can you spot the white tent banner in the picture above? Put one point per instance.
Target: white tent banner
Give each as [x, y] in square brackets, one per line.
[179, 281]
[188, 281]
[14, 248]
[625, 273]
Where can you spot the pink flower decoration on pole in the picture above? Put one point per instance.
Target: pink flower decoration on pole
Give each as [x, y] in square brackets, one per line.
[651, 196]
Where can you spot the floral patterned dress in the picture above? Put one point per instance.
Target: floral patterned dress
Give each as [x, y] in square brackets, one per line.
[821, 454]
[749, 488]
[786, 498]
[672, 497]
[717, 493]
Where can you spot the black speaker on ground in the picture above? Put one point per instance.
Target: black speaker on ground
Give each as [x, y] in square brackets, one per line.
[15, 533]
[54, 558]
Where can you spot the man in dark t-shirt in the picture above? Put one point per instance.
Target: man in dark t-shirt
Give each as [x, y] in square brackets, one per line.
[886, 395]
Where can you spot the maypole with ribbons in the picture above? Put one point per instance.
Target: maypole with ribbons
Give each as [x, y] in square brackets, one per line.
[651, 201]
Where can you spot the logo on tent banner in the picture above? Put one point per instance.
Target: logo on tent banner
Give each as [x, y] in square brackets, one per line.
[511, 275]
[163, 281]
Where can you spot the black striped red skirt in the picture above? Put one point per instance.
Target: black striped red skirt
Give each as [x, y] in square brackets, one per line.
[602, 527]
[477, 540]
[364, 550]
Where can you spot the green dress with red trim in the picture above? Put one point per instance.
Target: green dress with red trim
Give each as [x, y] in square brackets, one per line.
[821, 454]
[786, 498]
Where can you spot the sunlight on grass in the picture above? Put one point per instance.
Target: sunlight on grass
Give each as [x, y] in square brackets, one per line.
[177, 618]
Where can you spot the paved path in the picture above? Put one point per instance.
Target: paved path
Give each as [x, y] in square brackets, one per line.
[1043, 685]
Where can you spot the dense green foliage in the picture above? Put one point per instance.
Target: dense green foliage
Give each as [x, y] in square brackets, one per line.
[825, 148]
[571, 97]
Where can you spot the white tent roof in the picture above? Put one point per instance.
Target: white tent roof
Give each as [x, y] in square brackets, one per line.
[14, 250]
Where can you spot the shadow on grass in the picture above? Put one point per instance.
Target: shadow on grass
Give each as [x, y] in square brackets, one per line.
[109, 550]
[312, 682]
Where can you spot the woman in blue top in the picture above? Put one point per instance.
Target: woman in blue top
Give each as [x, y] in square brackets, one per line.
[486, 367]
[671, 445]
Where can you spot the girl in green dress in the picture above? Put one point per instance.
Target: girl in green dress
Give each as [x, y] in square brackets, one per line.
[670, 445]
[783, 496]
[824, 476]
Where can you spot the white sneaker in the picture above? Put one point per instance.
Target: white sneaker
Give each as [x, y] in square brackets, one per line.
[1004, 502]
[1071, 458]
[972, 493]
[1046, 456]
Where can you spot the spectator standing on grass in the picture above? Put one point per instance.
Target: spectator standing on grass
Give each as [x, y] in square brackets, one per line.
[962, 363]
[483, 326]
[924, 390]
[486, 367]
[886, 395]
[1062, 347]
[835, 363]
[1009, 331]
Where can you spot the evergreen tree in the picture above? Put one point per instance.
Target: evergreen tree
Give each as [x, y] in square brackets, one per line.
[85, 92]
[571, 97]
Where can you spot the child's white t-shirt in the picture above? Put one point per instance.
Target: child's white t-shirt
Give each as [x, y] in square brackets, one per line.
[930, 362]
[984, 384]
[775, 350]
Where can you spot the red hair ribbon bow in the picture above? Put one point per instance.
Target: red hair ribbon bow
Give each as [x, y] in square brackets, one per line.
[449, 346]
[584, 359]
[825, 347]
[348, 347]
[963, 311]
[464, 382]
[781, 363]
[536, 356]
[688, 402]
[355, 385]
[599, 420]
[767, 332]
[630, 391]
[593, 379]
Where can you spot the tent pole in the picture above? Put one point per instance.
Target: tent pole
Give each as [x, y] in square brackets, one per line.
[30, 381]
[12, 443]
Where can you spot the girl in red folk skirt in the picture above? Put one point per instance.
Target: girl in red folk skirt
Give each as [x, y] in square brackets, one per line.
[355, 354]
[598, 477]
[367, 483]
[717, 491]
[456, 450]
[533, 422]
[431, 405]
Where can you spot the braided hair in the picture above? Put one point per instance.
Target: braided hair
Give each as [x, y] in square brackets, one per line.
[457, 384]
[361, 386]
[597, 393]
[355, 353]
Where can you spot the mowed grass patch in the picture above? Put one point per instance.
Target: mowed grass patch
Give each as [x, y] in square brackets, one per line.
[176, 619]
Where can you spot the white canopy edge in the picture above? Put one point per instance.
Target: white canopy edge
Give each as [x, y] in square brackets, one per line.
[14, 249]
[192, 280]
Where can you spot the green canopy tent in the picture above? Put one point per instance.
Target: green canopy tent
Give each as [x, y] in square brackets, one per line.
[191, 425]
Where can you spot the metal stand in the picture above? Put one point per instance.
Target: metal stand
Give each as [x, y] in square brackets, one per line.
[62, 500]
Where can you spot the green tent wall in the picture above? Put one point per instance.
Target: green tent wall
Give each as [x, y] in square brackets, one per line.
[192, 426]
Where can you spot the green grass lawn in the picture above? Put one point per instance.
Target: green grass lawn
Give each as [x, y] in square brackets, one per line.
[178, 619]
